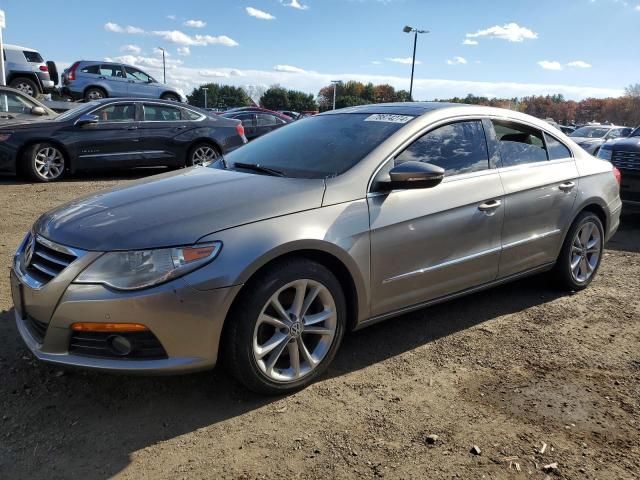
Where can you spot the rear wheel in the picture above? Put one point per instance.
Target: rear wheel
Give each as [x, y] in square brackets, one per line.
[581, 253]
[25, 85]
[202, 154]
[286, 328]
[94, 93]
[45, 162]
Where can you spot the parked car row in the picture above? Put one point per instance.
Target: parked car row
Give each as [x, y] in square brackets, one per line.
[624, 153]
[117, 133]
[592, 137]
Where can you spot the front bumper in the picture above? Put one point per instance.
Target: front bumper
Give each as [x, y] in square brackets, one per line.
[187, 322]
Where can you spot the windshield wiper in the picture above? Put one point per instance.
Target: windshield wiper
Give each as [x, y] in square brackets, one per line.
[259, 168]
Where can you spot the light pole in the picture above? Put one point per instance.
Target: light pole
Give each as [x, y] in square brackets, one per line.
[164, 67]
[409, 29]
[335, 86]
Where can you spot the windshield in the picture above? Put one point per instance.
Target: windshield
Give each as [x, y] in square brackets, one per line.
[635, 133]
[590, 132]
[319, 147]
[76, 111]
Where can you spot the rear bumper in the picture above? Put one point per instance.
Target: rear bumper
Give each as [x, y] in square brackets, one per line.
[187, 322]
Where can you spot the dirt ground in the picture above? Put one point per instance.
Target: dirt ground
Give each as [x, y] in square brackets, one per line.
[509, 370]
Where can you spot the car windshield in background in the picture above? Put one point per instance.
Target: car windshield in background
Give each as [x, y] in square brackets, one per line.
[590, 132]
[76, 111]
[319, 147]
[635, 133]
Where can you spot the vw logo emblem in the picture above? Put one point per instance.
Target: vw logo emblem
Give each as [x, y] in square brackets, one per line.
[295, 329]
[28, 251]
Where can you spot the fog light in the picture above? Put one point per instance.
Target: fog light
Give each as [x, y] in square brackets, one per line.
[119, 345]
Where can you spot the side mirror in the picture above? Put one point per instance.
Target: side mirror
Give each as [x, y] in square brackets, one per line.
[87, 119]
[37, 110]
[412, 174]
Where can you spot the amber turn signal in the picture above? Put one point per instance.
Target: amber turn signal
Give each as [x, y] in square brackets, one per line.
[108, 327]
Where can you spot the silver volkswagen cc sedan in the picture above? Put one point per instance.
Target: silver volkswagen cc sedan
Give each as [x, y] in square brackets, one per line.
[265, 259]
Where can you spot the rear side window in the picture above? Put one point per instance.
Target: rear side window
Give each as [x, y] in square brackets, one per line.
[556, 149]
[161, 113]
[33, 57]
[94, 69]
[458, 148]
[191, 115]
[519, 144]
[111, 71]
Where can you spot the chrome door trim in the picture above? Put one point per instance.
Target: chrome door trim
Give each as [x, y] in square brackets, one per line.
[532, 238]
[448, 263]
[120, 153]
[380, 318]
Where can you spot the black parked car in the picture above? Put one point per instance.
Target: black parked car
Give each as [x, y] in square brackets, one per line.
[114, 133]
[624, 153]
[257, 121]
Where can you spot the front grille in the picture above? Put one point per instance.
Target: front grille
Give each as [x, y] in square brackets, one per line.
[46, 261]
[36, 328]
[145, 345]
[626, 160]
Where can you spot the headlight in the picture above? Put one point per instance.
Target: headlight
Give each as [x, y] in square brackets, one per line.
[605, 154]
[145, 268]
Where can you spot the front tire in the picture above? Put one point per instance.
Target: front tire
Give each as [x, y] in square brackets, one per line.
[45, 162]
[285, 328]
[581, 253]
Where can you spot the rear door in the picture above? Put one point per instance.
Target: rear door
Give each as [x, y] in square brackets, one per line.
[540, 180]
[112, 142]
[159, 126]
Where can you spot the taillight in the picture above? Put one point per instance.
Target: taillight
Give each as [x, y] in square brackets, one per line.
[617, 174]
[44, 68]
[240, 129]
[72, 71]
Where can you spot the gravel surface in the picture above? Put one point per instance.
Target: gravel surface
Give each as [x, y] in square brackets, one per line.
[517, 382]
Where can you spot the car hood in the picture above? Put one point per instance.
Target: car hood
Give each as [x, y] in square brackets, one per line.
[176, 208]
[629, 144]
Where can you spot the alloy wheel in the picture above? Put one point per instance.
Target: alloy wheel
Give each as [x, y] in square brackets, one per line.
[95, 95]
[24, 87]
[295, 331]
[586, 249]
[49, 163]
[203, 155]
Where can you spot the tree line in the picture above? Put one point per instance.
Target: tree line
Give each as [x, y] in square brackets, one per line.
[624, 110]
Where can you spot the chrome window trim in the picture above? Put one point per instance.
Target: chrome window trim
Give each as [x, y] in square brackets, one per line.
[432, 126]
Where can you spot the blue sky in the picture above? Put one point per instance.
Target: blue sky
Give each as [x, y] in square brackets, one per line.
[519, 47]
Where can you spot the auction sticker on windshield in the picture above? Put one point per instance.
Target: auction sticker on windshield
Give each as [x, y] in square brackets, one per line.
[388, 118]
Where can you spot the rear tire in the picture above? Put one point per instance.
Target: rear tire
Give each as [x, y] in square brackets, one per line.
[202, 154]
[581, 253]
[94, 93]
[275, 350]
[45, 162]
[25, 85]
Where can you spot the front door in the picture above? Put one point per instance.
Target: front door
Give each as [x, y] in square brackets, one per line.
[428, 243]
[540, 180]
[112, 142]
[141, 85]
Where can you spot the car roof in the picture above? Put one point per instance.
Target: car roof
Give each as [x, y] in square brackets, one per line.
[399, 108]
[18, 47]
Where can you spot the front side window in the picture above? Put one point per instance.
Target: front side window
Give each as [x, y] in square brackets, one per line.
[519, 144]
[458, 148]
[161, 113]
[556, 149]
[245, 118]
[119, 112]
[137, 74]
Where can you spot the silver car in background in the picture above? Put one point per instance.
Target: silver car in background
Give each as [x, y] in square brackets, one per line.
[332, 223]
[592, 137]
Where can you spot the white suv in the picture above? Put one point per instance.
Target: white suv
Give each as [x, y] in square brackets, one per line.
[26, 71]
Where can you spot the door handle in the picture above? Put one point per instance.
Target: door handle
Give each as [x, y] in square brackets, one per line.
[567, 187]
[180, 127]
[490, 205]
[102, 78]
[132, 127]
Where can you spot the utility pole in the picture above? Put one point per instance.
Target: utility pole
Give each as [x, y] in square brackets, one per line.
[164, 67]
[2, 27]
[409, 29]
[205, 97]
[335, 86]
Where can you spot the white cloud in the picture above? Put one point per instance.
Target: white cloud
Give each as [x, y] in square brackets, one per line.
[637, 9]
[181, 38]
[288, 69]
[403, 60]
[579, 64]
[470, 42]
[511, 32]
[115, 28]
[195, 24]
[457, 61]
[172, 17]
[184, 51]
[550, 65]
[141, 61]
[376, 62]
[295, 4]
[262, 15]
[135, 49]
